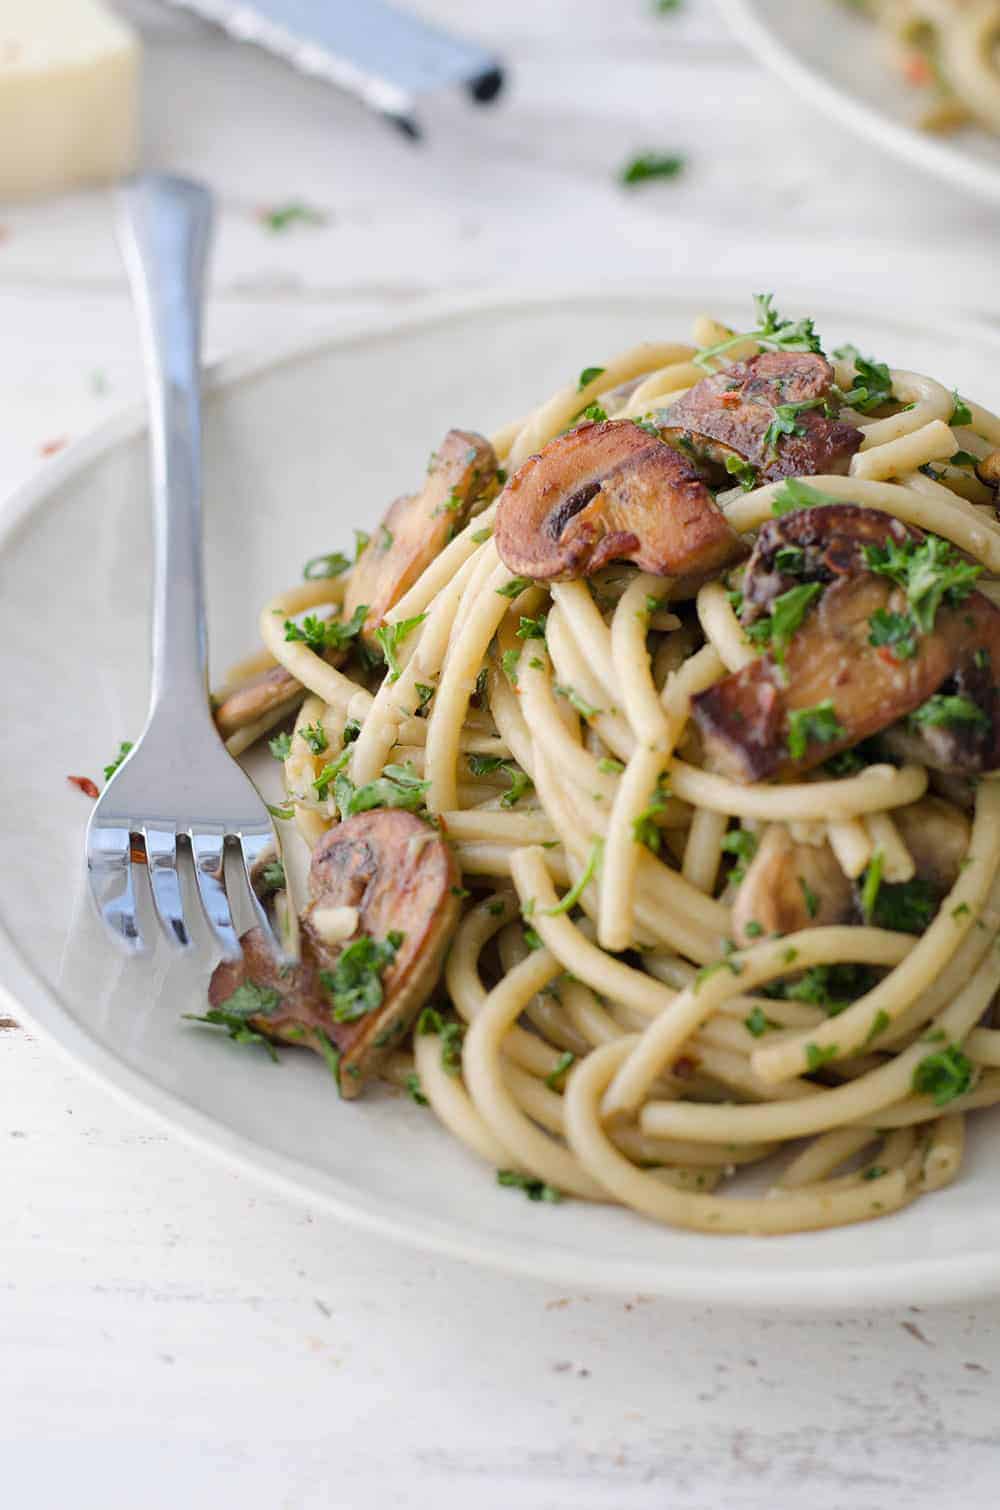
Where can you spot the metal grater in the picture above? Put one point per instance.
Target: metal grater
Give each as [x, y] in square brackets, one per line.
[384, 56]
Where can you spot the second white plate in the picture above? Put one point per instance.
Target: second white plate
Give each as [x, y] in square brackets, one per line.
[836, 61]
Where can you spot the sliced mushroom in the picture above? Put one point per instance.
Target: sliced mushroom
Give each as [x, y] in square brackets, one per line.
[265, 694]
[813, 545]
[955, 749]
[937, 836]
[416, 528]
[747, 718]
[377, 874]
[731, 414]
[789, 886]
[988, 470]
[611, 492]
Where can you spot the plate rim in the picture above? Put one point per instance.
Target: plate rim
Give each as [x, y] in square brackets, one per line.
[917, 148]
[39, 1007]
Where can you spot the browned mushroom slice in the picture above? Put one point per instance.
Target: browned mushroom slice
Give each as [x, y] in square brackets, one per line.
[789, 886]
[835, 687]
[416, 528]
[988, 470]
[774, 411]
[611, 492]
[373, 941]
[813, 545]
[955, 746]
[936, 833]
[265, 694]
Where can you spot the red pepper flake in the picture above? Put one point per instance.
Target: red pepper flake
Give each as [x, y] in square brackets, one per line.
[50, 447]
[917, 70]
[730, 400]
[887, 654]
[87, 787]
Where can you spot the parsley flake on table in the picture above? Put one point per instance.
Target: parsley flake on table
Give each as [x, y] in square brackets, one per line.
[647, 165]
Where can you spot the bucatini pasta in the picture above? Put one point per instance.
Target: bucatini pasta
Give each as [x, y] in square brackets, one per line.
[653, 805]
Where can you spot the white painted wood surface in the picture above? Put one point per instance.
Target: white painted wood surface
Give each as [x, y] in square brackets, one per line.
[169, 1334]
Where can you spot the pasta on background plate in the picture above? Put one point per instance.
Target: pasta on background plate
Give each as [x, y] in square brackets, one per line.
[948, 49]
[647, 759]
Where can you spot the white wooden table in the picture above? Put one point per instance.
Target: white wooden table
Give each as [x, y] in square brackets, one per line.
[169, 1334]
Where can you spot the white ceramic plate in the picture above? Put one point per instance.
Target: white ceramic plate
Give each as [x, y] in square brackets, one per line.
[835, 59]
[298, 450]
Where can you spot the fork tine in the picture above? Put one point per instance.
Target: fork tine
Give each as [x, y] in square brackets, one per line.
[254, 848]
[109, 868]
[161, 857]
[207, 849]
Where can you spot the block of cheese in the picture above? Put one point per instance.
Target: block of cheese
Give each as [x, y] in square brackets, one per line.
[69, 96]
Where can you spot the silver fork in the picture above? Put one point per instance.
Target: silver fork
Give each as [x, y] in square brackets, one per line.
[178, 783]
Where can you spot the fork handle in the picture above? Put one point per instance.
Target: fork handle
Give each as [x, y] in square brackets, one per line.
[165, 229]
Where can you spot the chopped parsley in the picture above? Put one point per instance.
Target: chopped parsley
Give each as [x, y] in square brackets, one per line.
[929, 571]
[283, 810]
[583, 880]
[321, 634]
[758, 1022]
[556, 1079]
[817, 1055]
[787, 613]
[532, 629]
[772, 331]
[742, 843]
[871, 885]
[651, 165]
[585, 709]
[315, 737]
[398, 786]
[123, 749]
[610, 766]
[520, 781]
[588, 376]
[817, 725]
[744, 472]
[361, 543]
[424, 694]
[645, 829]
[944, 711]
[234, 1014]
[414, 1089]
[280, 746]
[809, 897]
[961, 414]
[963, 459]
[786, 422]
[832, 987]
[355, 983]
[790, 560]
[879, 1024]
[906, 907]
[332, 565]
[794, 494]
[273, 877]
[391, 636]
[896, 630]
[480, 537]
[515, 587]
[509, 662]
[534, 1189]
[451, 1034]
[331, 1054]
[944, 1075]
[872, 385]
[595, 413]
